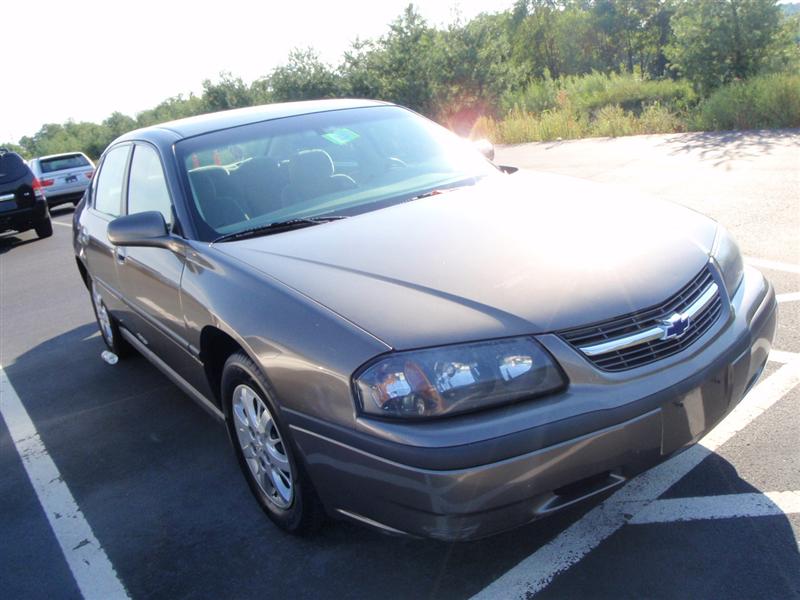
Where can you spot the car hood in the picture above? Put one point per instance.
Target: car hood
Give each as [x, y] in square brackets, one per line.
[519, 254]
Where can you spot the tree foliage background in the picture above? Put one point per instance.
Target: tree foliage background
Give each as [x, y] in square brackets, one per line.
[495, 63]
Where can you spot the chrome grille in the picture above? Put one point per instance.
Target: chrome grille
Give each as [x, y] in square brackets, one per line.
[639, 337]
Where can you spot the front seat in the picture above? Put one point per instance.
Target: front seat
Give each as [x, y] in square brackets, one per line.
[214, 205]
[312, 174]
[260, 182]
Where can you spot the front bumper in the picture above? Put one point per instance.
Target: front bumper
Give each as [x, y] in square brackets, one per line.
[603, 430]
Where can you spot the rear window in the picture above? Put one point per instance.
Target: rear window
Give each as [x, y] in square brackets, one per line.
[59, 163]
[12, 167]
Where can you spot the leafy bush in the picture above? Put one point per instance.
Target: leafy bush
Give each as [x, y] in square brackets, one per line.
[538, 96]
[565, 123]
[766, 101]
[594, 91]
[591, 92]
[613, 121]
[659, 119]
[520, 126]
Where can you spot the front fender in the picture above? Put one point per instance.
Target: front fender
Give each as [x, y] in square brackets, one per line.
[306, 351]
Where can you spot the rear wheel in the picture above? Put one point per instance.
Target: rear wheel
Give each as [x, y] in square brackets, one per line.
[109, 330]
[44, 228]
[265, 453]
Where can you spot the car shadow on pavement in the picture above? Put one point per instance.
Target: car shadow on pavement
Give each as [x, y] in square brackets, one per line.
[158, 483]
[722, 147]
[14, 240]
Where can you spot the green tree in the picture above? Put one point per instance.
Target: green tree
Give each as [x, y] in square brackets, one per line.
[303, 77]
[16, 148]
[225, 93]
[717, 41]
[363, 73]
[535, 44]
[403, 62]
[118, 124]
[473, 68]
[170, 109]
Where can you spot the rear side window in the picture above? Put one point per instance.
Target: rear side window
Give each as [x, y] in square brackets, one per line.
[108, 195]
[12, 167]
[148, 187]
[60, 163]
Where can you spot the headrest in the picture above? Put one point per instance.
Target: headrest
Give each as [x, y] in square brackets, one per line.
[310, 165]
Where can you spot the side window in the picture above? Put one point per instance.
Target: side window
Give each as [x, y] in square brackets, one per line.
[148, 188]
[108, 195]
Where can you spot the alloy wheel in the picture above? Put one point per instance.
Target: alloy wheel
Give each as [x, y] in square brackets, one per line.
[262, 446]
[103, 318]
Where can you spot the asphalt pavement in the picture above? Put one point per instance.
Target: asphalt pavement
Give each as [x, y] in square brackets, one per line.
[155, 483]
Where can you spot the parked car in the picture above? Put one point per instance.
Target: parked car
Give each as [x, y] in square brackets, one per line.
[64, 177]
[22, 200]
[397, 332]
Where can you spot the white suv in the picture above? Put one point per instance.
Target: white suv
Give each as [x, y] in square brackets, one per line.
[64, 177]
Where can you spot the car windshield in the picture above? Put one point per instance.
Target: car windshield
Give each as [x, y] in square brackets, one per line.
[342, 163]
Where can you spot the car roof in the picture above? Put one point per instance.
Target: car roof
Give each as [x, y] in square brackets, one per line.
[192, 126]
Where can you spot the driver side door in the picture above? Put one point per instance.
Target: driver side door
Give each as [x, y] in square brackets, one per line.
[150, 278]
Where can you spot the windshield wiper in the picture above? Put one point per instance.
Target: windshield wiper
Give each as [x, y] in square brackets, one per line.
[443, 190]
[276, 227]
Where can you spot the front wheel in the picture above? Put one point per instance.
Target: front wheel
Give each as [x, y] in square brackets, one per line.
[264, 451]
[109, 330]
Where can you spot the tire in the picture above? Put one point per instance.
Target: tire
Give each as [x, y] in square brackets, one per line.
[109, 330]
[267, 457]
[44, 228]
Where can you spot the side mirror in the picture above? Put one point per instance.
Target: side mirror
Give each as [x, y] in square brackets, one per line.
[140, 229]
[485, 147]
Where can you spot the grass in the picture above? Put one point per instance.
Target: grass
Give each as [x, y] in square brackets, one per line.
[617, 105]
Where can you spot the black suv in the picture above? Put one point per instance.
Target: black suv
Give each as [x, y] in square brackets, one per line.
[22, 202]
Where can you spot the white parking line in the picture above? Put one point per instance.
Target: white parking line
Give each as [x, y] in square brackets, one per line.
[728, 506]
[789, 297]
[536, 571]
[774, 265]
[62, 224]
[87, 560]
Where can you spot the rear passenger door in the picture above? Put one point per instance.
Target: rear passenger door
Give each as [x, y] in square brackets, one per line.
[150, 277]
[104, 206]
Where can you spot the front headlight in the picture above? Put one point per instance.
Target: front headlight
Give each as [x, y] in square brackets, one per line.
[454, 379]
[729, 258]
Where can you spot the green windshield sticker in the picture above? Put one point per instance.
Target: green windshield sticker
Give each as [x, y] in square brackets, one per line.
[341, 136]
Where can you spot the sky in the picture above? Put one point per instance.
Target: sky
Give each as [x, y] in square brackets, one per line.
[84, 59]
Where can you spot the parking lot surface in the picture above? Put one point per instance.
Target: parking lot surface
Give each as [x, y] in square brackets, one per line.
[114, 483]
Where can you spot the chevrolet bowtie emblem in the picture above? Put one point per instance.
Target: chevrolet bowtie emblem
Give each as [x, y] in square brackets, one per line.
[675, 326]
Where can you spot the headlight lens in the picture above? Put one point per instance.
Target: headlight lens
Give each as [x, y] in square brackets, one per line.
[729, 258]
[454, 379]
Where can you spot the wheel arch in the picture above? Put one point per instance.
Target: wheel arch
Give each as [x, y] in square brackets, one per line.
[216, 346]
